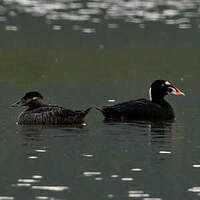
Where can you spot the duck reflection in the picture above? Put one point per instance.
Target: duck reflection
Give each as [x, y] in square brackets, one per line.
[39, 132]
[158, 131]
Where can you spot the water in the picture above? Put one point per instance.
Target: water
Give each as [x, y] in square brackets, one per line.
[83, 53]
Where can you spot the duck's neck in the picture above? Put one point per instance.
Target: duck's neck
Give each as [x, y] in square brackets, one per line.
[158, 100]
[36, 104]
[161, 101]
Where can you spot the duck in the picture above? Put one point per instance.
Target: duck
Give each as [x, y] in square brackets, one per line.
[156, 108]
[40, 113]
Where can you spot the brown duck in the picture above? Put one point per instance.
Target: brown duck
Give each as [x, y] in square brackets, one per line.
[40, 113]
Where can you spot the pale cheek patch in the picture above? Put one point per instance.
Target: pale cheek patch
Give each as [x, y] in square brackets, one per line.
[28, 101]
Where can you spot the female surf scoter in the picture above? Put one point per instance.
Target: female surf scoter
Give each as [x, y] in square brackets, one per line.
[156, 108]
[40, 113]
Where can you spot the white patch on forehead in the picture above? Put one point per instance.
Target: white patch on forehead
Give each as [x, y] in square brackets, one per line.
[150, 96]
[167, 83]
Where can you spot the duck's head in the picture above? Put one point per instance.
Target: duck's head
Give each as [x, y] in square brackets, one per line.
[160, 88]
[30, 99]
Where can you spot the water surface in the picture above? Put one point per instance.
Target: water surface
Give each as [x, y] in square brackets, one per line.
[83, 53]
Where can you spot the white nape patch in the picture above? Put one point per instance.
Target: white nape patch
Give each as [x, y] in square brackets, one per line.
[150, 96]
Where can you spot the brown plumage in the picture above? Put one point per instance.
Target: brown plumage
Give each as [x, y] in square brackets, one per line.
[39, 113]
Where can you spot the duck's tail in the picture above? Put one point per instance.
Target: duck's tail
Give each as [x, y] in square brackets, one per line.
[85, 112]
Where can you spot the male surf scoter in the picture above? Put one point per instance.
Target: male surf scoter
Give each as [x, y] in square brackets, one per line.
[156, 108]
[40, 113]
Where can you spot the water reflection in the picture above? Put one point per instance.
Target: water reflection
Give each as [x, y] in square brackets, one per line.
[46, 128]
[151, 126]
[37, 132]
[171, 12]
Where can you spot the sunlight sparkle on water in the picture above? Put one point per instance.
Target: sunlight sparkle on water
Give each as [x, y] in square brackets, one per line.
[37, 176]
[11, 28]
[136, 169]
[50, 188]
[88, 155]
[40, 150]
[91, 173]
[139, 194]
[194, 189]
[98, 179]
[41, 197]
[197, 166]
[22, 185]
[127, 179]
[173, 12]
[88, 30]
[27, 180]
[33, 157]
[152, 199]
[111, 100]
[114, 176]
[6, 198]
[165, 152]
[110, 196]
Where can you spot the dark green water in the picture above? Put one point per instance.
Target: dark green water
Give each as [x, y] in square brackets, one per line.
[113, 59]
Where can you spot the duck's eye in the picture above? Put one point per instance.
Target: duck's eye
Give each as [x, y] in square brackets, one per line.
[163, 85]
[170, 90]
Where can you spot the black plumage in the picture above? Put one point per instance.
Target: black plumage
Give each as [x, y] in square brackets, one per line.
[142, 109]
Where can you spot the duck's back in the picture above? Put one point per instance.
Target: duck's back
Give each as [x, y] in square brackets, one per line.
[49, 114]
[140, 109]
